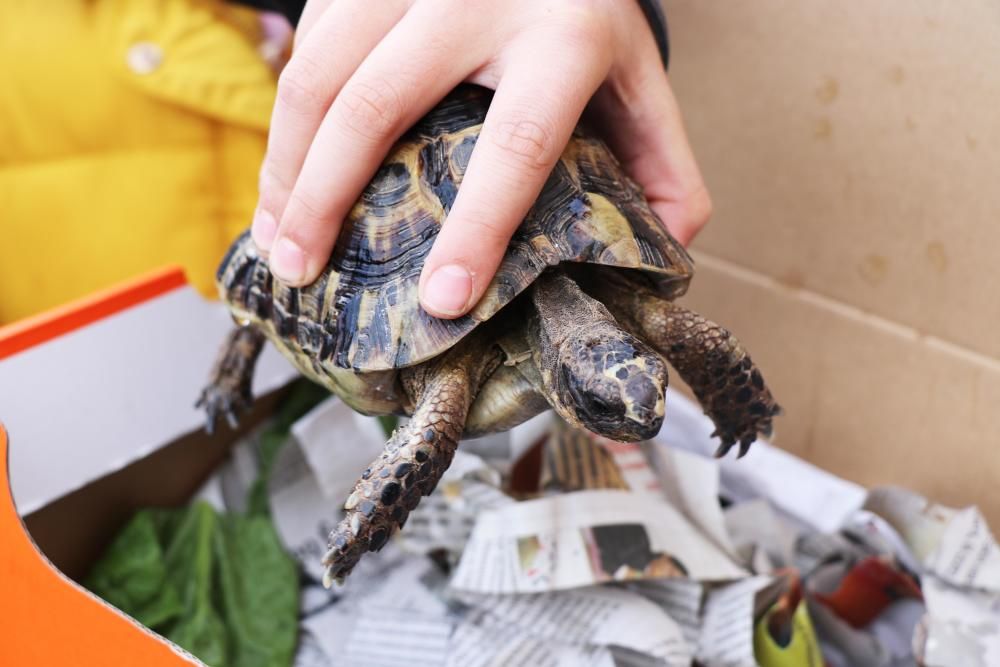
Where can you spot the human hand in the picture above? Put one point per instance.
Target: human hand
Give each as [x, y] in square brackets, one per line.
[359, 77]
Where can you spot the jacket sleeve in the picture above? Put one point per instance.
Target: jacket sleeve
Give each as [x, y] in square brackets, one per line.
[292, 9]
[653, 9]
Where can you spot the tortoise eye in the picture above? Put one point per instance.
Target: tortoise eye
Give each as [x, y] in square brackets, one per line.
[598, 407]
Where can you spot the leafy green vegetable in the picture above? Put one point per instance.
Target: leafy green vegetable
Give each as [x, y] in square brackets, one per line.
[388, 424]
[258, 588]
[189, 563]
[219, 585]
[222, 587]
[133, 575]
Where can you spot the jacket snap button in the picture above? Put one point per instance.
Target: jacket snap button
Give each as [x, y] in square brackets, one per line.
[144, 57]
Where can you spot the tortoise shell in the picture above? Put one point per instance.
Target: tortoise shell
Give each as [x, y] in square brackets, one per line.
[363, 312]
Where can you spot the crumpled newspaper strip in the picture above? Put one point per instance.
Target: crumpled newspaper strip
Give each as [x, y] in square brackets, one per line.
[403, 618]
[962, 593]
[389, 613]
[717, 621]
[681, 599]
[586, 618]
[338, 444]
[690, 483]
[382, 636]
[960, 581]
[967, 556]
[962, 626]
[760, 536]
[809, 494]
[726, 638]
[445, 519]
[574, 460]
[584, 538]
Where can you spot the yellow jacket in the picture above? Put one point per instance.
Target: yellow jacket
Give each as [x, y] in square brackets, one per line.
[131, 134]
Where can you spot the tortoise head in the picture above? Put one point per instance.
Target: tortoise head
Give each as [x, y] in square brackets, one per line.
[613, 384]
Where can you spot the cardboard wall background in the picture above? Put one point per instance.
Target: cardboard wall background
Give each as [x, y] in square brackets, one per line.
[851, 152]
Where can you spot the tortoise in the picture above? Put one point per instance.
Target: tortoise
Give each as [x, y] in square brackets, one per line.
[580, 317]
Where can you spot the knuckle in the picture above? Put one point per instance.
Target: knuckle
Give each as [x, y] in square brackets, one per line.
[529, 143]
[301, 86]
[305, 210]
[370, 110]
[586, 23]
[270, 180]
[699, 207]
[485, 232]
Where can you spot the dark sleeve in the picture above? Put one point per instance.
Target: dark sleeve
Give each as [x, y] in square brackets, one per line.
[292, 9]
[658, 23]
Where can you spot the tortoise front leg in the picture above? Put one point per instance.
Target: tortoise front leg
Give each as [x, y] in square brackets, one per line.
[416, 455]
[711, 360]
[228, 390]
[719, 371]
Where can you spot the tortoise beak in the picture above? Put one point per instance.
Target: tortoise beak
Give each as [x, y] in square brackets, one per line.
[644, 398]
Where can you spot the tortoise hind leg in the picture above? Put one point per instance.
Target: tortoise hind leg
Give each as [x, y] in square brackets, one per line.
[415, 456]
[228, 393]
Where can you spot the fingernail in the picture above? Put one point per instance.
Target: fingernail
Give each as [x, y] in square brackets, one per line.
[449, 289]
[288, 262]
[263, 229]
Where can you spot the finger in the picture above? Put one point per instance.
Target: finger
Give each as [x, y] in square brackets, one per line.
[336, 43]
[311, 13]
[409, 71]
[643, 127]
[527, 127]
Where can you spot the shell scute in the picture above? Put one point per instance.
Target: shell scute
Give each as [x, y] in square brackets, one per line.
[365, 304]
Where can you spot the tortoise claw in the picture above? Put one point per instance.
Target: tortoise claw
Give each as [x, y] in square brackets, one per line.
[723, 449]
[230, 412]
[218, 401]
[739, 423]
[334, 575]
[211, 411]
[228, 392]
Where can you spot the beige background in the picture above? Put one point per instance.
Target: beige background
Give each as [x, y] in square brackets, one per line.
[851, 151]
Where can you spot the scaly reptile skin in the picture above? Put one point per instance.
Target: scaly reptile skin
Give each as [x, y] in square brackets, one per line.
[717, 368]
[416, 455]
[708, 357]
[228, 392]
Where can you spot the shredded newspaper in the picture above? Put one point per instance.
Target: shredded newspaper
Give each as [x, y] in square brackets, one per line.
[631, 555]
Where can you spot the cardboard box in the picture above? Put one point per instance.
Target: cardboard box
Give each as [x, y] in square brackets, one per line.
[848, 150]
[854, 243]
[97, 404]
